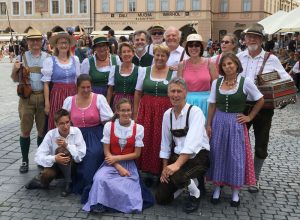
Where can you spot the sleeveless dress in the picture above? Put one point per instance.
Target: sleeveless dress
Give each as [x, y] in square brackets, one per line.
[152, 106]
[112, 190]
[64, 85]
[124, 85]
[198, 80]
[89, 122]
[100, 79]
[231, 161]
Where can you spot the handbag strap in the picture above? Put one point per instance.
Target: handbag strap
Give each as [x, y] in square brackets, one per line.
[266, 57]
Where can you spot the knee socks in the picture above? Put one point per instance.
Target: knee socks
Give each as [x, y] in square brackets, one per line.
[235, 195]
[193, 189]
[25, 144]
[217, 192]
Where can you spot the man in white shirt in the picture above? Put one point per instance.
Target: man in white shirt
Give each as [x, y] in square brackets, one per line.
[252, 60]
[177, 53]
[184, 148]
[60, 147]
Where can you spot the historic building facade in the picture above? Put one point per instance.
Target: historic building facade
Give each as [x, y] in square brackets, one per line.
[210, 18]
[45, 14]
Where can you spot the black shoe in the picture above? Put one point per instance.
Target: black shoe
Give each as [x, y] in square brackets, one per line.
[24, 167]
[66, 191]
[35, 183]
[234, 203]
[215, 201]
[191, 204]
[255, 188]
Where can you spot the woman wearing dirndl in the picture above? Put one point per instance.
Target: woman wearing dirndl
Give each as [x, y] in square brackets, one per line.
[198, 73]
[98, 66]
[117, 184]
[88, 112]
[59, 75]
[230, 151]
[123, 78]
[150, 107]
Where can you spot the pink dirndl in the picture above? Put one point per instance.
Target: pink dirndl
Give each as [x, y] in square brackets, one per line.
[59, 93]
[150, 115]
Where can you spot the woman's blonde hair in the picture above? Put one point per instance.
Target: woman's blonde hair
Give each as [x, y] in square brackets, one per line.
[163, 48]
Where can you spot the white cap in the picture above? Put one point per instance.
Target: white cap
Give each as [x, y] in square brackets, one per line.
[194, 37]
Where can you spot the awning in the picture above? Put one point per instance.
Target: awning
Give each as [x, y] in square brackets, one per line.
[273, 23]
[291, 22]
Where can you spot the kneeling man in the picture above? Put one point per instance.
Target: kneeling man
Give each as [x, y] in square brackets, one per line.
[60, 147]
[184, 148]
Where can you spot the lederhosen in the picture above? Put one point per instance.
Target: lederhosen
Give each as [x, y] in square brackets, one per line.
[193, 168]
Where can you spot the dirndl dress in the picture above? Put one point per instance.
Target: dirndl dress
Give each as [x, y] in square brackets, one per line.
[110, 190]
[152, 107]
[64, 85]
[92, 132]
[230, 151]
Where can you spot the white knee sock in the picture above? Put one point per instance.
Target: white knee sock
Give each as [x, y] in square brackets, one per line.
[235, 195]
[193, 189]
[217, 192]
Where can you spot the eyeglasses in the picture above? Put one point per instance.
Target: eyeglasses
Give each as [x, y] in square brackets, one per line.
[194, 45]
[225, 42]
[157, 33]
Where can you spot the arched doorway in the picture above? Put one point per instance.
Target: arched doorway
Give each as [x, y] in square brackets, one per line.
[128, 28]
[186, 31]
[237, 33]
[106, 28]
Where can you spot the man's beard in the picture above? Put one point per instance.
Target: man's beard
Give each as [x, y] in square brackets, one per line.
[252, 47]
[139, 49]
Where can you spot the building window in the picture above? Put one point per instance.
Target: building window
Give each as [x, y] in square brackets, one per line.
[150, 5]
[16, 8]
[119, 6]
[131, 5]
[180, 5]
[224, 5]
[2, 8]
[69, 6]
[82, 6]
[195, 5]
[105, 5]
[164, 5]
[54, 7]
[247, 5]
[28, 7]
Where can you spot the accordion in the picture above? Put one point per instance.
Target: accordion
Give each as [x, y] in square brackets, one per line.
[277, 92]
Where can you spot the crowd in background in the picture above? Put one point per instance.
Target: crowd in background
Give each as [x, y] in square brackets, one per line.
[168, 104]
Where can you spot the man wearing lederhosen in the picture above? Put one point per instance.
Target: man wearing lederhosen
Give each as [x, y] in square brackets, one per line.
[32, 108]
[252, 60]
[184, 148]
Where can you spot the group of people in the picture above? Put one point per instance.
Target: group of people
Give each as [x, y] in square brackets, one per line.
[160, 109]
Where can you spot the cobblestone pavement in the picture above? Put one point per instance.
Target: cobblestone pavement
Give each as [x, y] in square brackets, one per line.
[278, 199]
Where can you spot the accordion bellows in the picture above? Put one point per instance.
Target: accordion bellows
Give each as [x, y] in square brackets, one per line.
[277, 92]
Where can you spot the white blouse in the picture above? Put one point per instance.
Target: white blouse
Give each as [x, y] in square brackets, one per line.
[47, 69]
[142, 75]
[249, 88]
[124, 132]
[105, 111]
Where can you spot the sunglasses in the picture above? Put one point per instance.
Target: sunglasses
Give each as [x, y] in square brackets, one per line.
[194, 45]
[225, 42]
[157, 33]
